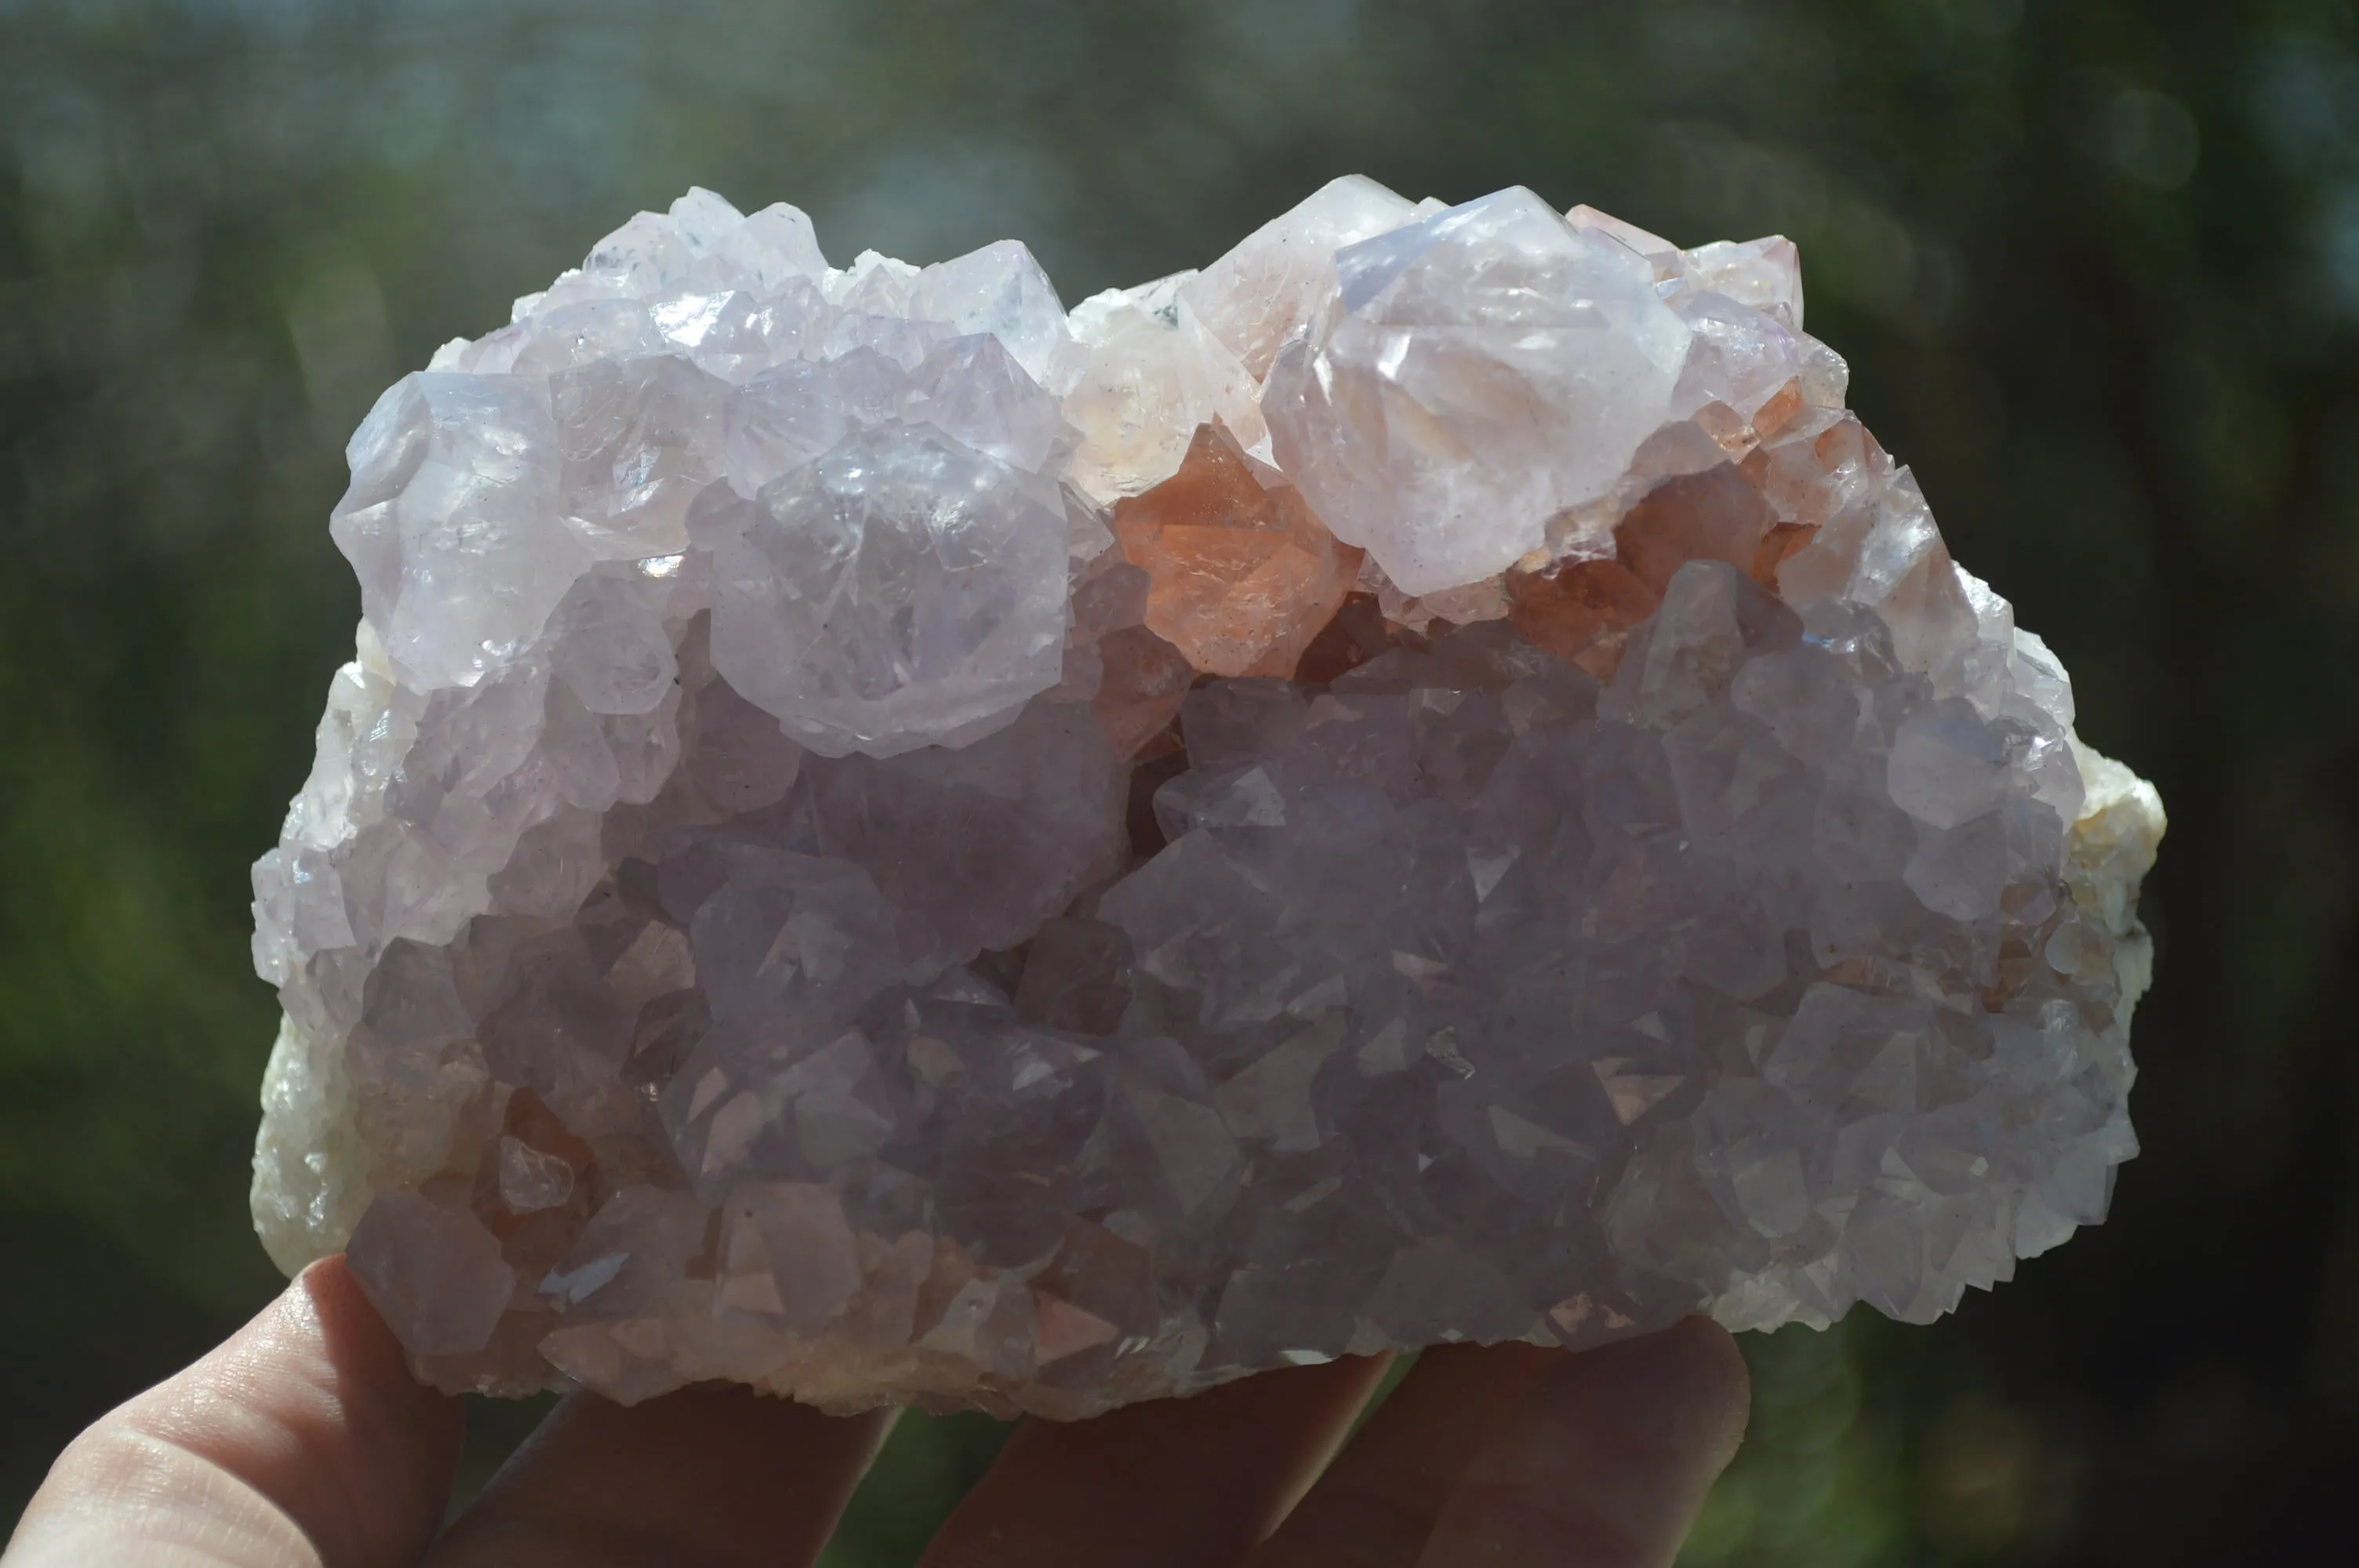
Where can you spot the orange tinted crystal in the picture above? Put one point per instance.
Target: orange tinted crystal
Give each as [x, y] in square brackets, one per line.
[1244, 575]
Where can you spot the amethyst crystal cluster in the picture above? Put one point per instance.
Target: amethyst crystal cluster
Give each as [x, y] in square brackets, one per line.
[893, 842]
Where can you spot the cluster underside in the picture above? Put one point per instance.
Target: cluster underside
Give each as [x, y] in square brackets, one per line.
[894, 842]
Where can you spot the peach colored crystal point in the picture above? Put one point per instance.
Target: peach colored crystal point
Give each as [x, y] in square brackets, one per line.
[1243, 576]
[1583, 609]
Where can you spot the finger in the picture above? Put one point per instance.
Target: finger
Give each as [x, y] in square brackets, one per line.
[708, 1476]
[1167, 1484]
[1605, 1462]
[302, 1441]
[1377, 1502]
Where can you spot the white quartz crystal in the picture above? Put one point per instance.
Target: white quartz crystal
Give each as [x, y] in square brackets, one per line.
[1151, 373]
[772, 904]
[1282, 276]
[899, 589]
[1480, 371]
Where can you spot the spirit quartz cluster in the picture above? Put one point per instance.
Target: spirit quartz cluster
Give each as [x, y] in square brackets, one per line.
[893, 842]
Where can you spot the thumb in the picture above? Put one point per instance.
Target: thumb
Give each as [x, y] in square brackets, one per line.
[302, 1441]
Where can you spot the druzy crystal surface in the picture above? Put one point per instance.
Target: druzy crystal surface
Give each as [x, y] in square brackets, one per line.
[893, 842]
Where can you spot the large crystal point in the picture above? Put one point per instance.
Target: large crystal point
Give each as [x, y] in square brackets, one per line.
[1281, 277]
[875, 845]
[1480, 371]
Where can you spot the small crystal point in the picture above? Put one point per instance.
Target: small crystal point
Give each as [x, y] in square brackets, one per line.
[1243, 575]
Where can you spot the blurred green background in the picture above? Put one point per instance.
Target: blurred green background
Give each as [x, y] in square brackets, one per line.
[2096, 269]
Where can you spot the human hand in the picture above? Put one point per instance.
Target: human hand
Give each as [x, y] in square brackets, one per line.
[303, 1441]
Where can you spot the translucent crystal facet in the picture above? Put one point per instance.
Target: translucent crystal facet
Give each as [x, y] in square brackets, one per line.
[1479, 371]
[899, 589]
[1427, 781]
